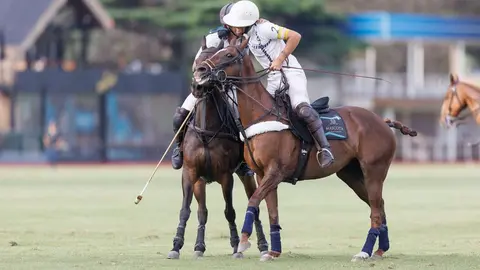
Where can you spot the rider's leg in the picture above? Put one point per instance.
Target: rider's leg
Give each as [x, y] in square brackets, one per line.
[301, 104]
[180, 115]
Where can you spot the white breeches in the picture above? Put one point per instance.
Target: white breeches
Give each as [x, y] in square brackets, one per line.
[298, 85]
[189, 102]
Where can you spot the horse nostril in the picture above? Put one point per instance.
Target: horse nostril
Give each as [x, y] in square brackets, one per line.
[201, 69]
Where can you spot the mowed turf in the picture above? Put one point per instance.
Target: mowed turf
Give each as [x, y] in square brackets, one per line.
[85, 218]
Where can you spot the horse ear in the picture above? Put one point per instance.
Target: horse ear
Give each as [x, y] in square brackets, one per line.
[453, 78]
[204, 43]
[244, 43]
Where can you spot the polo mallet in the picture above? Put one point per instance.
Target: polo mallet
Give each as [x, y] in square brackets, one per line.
[140, 196]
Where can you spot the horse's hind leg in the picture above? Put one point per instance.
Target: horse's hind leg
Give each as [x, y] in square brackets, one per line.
[178, 240]
[227, 188]
[352, 175]
[199, 190]
[375, 174]
[250, 187]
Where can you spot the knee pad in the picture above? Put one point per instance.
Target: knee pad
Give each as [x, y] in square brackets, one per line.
[306, 112]
[179, 117]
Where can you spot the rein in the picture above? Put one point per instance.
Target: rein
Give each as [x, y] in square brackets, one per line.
[218, 74]
[202, 131]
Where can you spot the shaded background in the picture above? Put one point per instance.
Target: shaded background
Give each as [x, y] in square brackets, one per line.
[110, 73]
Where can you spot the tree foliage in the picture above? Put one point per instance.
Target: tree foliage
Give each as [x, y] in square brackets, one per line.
[323, 40]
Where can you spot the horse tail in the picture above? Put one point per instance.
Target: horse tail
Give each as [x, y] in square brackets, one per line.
[403, 129]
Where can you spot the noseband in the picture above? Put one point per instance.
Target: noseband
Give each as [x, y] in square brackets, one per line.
[217, 72]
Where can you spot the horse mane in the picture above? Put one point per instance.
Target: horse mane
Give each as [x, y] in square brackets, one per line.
[472, 86]
[248, 64]
[472, 90]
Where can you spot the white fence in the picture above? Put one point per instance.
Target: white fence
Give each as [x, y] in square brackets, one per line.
[341, 88]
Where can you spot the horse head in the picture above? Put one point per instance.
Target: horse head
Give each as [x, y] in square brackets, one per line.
[458, 97]
[226, 62]
[197, 89]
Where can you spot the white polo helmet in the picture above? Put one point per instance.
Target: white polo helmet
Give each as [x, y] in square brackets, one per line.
[243, 13]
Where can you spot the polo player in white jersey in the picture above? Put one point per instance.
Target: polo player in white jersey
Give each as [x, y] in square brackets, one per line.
[213, 39]
[272, 45]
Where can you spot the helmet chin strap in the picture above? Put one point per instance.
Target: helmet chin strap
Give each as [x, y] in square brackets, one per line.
[231, 31]
[244, 32]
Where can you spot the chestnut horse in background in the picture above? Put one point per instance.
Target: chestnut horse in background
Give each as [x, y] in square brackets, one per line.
[277, 145]
[212, 151]
[459, 96]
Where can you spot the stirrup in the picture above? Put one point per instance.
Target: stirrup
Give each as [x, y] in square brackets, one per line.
[320, 153]
[328, 151]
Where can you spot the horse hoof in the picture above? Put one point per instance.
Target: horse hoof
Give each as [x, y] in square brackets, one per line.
[266, 257]
[243, 246]
[360, 257]
[263, 252]
[198, 254]
[173, 255]
[237, 255]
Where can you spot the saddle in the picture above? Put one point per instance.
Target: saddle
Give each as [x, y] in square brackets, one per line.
[333, 125]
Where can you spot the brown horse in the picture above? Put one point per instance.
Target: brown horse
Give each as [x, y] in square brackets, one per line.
[212, 152]
[274, 136]
[459, 96]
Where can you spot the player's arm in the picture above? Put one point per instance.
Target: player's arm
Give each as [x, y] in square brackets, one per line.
[291, 37]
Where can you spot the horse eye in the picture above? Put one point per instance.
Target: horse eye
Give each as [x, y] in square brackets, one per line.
[229, 55]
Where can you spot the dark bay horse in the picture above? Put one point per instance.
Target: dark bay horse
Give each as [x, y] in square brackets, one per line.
[459, 96]
[278, 147]
[212, 152]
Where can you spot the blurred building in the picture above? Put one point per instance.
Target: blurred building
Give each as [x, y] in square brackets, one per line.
[112, 92]
[107, 90]
[418, 83]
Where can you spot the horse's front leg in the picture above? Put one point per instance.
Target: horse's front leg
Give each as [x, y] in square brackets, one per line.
[199, 190]
[269, 183]
[178, 240]
[250, 186]
[272, 205]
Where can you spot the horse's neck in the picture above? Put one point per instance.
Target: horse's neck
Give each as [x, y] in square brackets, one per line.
[472, 96]
[207, 109]
[255, 94]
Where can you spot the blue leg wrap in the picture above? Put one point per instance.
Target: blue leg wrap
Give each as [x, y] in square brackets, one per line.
[370, 242]
[383, 241]
[250, 216]
[275, 238]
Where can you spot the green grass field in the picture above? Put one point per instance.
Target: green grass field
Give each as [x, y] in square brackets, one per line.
[85, 218]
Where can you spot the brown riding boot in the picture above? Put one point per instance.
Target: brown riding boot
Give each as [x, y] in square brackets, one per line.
[177, 155]
[314, 124]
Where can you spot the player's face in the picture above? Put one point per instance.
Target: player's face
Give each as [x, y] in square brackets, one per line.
[238, 31]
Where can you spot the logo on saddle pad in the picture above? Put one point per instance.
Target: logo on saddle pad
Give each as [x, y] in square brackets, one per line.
[333, 120]
[334, 127]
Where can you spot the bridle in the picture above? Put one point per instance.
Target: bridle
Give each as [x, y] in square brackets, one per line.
[453, 96]
[217, 72]
[450, 118]
[223, 82]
